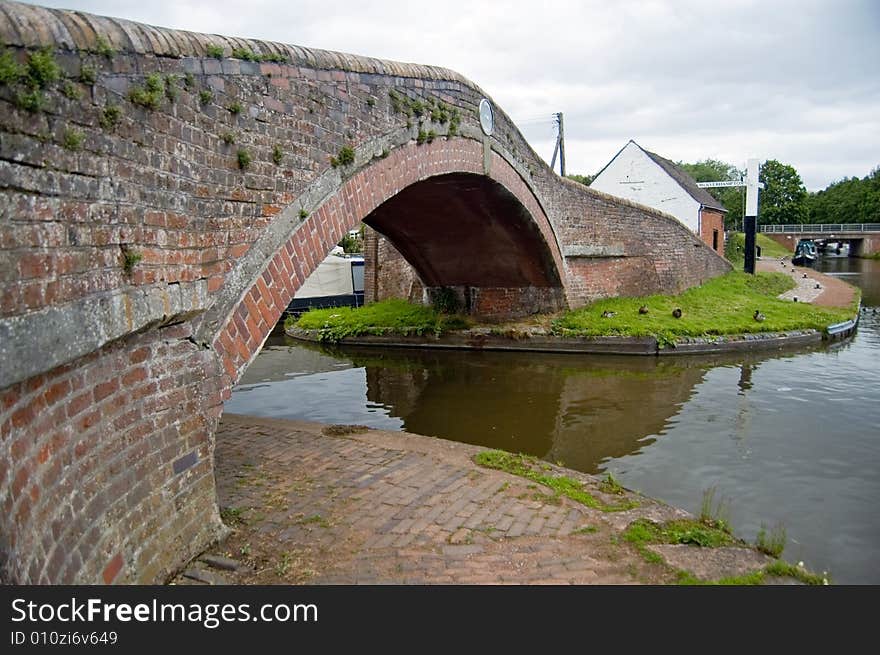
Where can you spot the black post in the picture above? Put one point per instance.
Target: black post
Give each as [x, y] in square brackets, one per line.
[750, 224]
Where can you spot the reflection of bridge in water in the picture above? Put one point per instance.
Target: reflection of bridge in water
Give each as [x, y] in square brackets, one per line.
[578, 410]
[862, 238]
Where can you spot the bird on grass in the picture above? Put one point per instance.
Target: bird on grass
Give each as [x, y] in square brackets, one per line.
[676, 312]
[608, 314]
[643, 309]
[759, 316]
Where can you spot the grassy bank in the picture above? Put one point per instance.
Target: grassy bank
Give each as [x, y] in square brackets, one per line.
[387, 317]
[735, 248]
[724, 305]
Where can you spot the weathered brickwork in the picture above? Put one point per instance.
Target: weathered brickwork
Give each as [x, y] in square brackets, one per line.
[712, 229]
[386, 273]
[149, 242]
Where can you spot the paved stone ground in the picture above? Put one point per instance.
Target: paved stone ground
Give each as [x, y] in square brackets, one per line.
[830, 292]
[310, 504]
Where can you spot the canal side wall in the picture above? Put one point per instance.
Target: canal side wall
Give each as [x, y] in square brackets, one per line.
[159, 208]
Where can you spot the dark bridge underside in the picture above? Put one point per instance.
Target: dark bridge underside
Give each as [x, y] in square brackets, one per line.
[466, 230]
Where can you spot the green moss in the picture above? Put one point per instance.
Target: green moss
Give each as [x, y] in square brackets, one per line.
[303, 214]
[32, 101]
[214, 51]
[150, 95]
[245, 54]
[277, 155]
[42, 69]
[343, 158]
[73, 139]
[71, 91]
[11, 71]
[110, 116]
[234, 108]
[525, 467]
[244, 158]
[228, 138]
[103, 48]
[206, 96]
[171, 90]
[130, 259]
[723, 305]
[88, 75]
[610, 485]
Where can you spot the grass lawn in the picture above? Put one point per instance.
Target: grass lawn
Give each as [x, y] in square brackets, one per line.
[724, 305]
[736, 246]
[386, 317]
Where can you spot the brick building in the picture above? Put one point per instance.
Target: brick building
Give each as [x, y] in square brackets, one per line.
[649, 179]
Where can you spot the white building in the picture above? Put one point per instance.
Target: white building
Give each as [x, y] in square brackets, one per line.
[649, 179]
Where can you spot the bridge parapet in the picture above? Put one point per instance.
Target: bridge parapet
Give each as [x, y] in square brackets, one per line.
[160, 203]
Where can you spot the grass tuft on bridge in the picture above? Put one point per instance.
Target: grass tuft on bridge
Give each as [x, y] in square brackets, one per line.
[724, 305]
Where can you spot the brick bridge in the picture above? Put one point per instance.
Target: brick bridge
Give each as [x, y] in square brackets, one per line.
[862, 238]
[163, 194]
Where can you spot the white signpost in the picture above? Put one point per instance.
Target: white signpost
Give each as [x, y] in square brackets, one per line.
[750, 220]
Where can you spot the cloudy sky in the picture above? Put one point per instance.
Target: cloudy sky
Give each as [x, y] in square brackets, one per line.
[796, 81]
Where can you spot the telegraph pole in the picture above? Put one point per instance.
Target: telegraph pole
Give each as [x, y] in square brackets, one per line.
[560, 146]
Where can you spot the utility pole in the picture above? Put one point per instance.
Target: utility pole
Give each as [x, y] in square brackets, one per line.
[560, 146]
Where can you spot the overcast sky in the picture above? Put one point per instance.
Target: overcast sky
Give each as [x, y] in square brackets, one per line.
[797, 81]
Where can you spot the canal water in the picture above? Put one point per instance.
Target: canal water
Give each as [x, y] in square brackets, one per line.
[785, 439]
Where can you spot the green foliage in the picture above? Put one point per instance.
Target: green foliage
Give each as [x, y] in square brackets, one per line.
[42, 69]
[275, 58]
[343, 158]
[851, 200]
[303, 214]
[352, 243]
[715, 513]
[772, 543]
[783, 199]
[215, 51]
[245, 54]
[103, 47]
[206, 96]
[11, 71]
[723, 305]
[32, 101]
[784, 569]
[371, 102]
[73, 139]
[88, 75]
[244, 158]
[733, 198]
[150, 95]
[110, 116]
[586, 180]
[171, 89]
[277, 155]
[610, 485]
[525, 467]
[130, 259]
[189, 80]
[677, 531]
[228, 138]
[71, 91]
[387, 317]
[234, 108]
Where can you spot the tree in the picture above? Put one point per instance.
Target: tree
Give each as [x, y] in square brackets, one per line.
[733, 198]
[586, 180]
[851, 200]
[783, 198]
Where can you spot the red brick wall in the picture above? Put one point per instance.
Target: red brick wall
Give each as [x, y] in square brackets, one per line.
[386, 273]
[712, 229]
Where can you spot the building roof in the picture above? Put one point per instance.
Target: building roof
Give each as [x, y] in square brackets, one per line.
[681, 178]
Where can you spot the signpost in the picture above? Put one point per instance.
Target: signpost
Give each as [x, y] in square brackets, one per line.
[750, 220]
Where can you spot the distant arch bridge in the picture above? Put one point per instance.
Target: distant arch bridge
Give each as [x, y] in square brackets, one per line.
[863, 238]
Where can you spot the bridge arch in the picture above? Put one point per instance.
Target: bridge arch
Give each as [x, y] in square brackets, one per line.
[400, 195]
